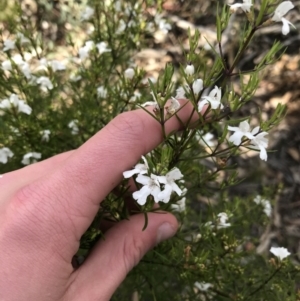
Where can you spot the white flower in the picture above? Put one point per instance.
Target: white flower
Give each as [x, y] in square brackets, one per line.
[31, 157]
[281, 253]
[129, 73]
[260, 142]
[152, 79]
[242, 130]
[18, 60]
[87, 13]
[180, 206]
[213, 98]
[74, 127]
[23, 66]
[43, 63]
[169, 181]
[17, 103]
[5, 153]
[22, 38]
[136, 95]
[75, 78]
[9, 45]
[151, 187]
[122, 26]
[222, 221]
[5, 104]
[245, 6]
[150, 27]
[23, 107]
[85, 50]
[189, 69]
[57, 66]
[118, 6]
[45, 83]
[54, 64]
[280, 11]
[180, 93]
[25, 69]
[174, 106]
[6, 65]
[151, 103]
[197, 86]
[139, 168]
[265, 203]
[164, 26]
[102, 47]
[202, 286]
[206, 140]
[146, 80]
[101, 92]
[15, 131]
[45, 135]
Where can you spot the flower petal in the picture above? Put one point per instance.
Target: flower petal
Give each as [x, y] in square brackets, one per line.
[141, 195]
[165, 194]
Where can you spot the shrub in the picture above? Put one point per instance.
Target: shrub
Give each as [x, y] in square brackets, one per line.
[68, 70]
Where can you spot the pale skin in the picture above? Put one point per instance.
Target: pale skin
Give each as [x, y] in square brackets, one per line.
[47, 206]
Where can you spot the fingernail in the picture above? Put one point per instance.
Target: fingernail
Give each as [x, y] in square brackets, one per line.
[165, 231]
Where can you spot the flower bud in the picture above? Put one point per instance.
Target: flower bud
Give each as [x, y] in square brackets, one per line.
[129, 73]
[175, 105]
[197, 85]
[189, 69]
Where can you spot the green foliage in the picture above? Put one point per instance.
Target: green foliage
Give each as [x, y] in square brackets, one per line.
[94, 88]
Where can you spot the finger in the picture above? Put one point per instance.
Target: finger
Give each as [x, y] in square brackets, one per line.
[111, 260]
[72, 193]
[14, 180]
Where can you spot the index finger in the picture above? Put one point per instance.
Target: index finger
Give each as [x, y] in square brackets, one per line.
[76, 188]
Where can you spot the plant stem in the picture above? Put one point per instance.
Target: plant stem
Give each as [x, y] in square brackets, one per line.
[264, 283]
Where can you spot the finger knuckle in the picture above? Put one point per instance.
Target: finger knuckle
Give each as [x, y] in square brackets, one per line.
[130, 127]
[133, 251]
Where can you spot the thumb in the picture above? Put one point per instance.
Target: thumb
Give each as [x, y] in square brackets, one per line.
[124, 246]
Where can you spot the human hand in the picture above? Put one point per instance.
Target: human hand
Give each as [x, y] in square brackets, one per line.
[46, 207]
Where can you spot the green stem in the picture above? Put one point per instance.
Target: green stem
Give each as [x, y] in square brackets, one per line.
[264, 283]
[240, 53]
[228, 72]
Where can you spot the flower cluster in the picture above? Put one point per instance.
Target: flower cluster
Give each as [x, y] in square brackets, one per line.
[172, 108]
[267, 208]
[6, 153]
[152, 184]
[213, 99]
[282, 9]
[220, 222]
[85, 50]
[25, 68]
[13, 102]
[257, 138]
